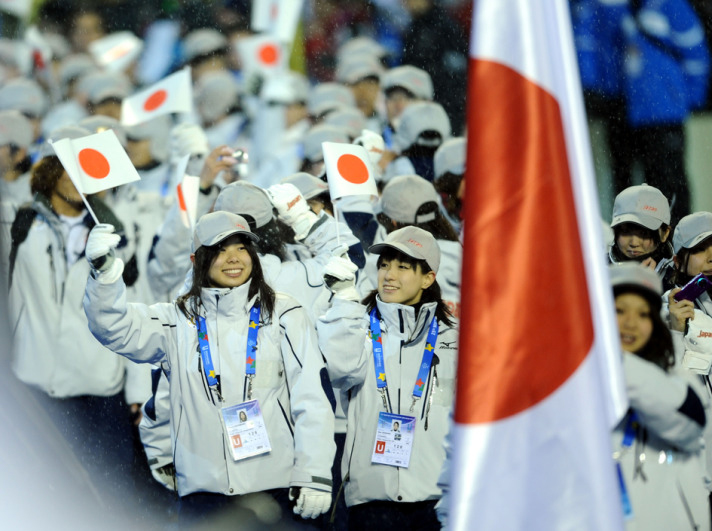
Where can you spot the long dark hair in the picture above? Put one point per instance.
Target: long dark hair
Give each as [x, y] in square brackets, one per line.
[659, 348]
[431, 294]
[189, 303]
[662, 249]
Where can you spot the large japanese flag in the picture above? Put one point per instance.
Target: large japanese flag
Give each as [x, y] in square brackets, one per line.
[539, 378]
[95, 162]
[348, 170]
[172, 94]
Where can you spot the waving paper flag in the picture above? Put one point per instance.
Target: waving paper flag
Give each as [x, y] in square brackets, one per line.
[95, 162]
[116, 51]
[261, 54]
[20, 8]
[264, 15]
[288, 15]
[187, 195]
[348, 170]
[171, 94]
[537, 397]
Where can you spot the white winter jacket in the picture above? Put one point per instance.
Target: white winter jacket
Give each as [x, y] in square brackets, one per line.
[297, 414]
[663, 468]
[344, 340]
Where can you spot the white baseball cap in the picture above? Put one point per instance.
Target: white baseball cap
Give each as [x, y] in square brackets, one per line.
[214, 227]
[691, 230]
[642, 204]
[414, 242]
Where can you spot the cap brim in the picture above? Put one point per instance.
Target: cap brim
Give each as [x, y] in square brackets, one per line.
[224, 235]
[648, 222]
[697, 239]
[379, 247]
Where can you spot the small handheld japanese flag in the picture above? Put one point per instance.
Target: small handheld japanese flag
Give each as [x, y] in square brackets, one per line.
[95, 162]
[261, 54]
[348, 170]
[172, 94]
[116, 51]
[187, 193]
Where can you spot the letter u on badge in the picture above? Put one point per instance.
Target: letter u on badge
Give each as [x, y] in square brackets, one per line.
[236, 441]
[380, 447]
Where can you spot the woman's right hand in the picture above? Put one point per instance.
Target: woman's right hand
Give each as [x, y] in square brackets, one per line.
[680, 311]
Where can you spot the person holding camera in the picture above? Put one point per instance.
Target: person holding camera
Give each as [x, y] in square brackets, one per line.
[230, 344]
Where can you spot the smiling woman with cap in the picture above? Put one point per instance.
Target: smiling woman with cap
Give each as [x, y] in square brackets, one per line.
[658, 444]
[229, 344]
[394, 357]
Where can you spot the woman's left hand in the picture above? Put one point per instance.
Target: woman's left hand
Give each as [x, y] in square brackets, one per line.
[680, 311]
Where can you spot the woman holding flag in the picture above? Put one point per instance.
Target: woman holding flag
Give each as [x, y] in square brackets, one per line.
[89, 389]
[229, 345]
[394, 359]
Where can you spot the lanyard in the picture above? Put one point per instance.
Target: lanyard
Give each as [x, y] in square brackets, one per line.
[250, 351]
[380, 366]
[628, 438]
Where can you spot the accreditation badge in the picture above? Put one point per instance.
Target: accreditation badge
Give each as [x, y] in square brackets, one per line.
[394, 440]
[246, 430]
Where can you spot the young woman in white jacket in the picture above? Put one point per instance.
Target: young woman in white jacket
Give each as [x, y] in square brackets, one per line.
[658, 444]
[394, 359]
[229, 345]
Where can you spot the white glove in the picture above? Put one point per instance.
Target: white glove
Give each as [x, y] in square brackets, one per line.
[292, 208]
[188, 139]
[698, 344]
[165, 475]
[373, 143]
[311, 502]
[100, 253]
[340, 277]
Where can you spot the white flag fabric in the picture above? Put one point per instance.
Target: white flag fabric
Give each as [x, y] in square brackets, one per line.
[19, 8]
[95, 162]
[187, 196]
[264, 15]
[537, 396]
[116, 51]
[173, 93]
[261, 54]
[288, 15]
[348, 170]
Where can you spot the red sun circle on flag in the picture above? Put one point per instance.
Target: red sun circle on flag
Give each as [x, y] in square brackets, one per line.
[93, 163]
[268, 54]
[352, 168]
[155, 100]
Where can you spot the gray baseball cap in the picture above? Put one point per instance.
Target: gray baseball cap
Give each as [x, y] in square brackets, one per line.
[349, 118]
[243, 198]
[24, 95]
[308, 185]
[214, 227]
[637, 275]
[202, 42]
[15, 129]
[352, 69]
[450, 157]
[216, 93]
[692, 230]
[327, 96]
[412, 79]
[642, 204]
[413, 241]
[418, 118]
[322, 133]
[403, 196]
[68, 131]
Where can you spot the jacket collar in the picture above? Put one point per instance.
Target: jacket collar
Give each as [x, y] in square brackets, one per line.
[232, 300]
[400, 319]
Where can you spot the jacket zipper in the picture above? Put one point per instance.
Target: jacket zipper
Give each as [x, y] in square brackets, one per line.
[54, 272]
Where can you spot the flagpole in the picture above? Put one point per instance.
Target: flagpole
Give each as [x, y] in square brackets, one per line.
[91, 211]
